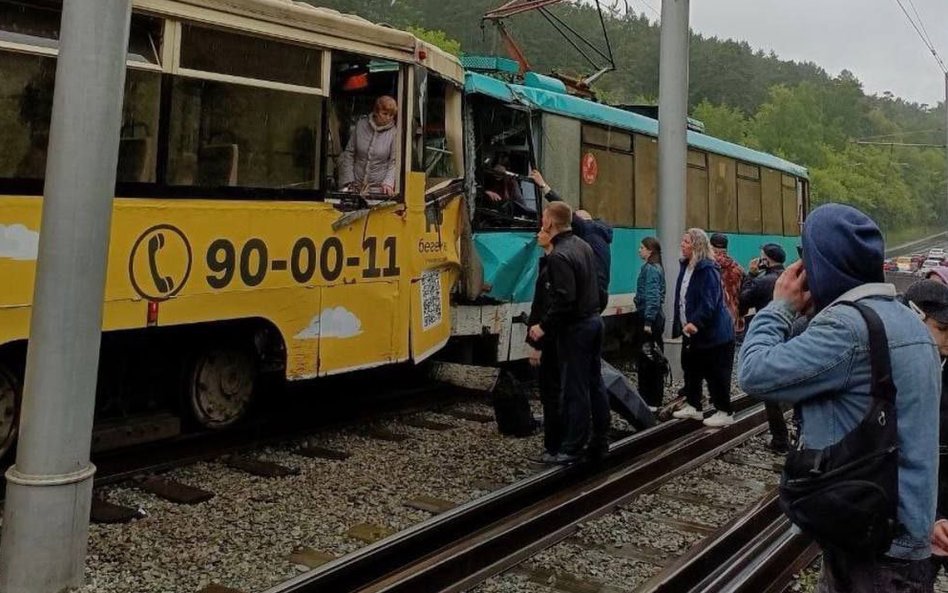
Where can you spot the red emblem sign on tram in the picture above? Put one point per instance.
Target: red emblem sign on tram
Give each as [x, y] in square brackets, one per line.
[589, 168]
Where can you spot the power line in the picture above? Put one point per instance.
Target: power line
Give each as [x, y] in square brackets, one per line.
[878, 136]
[922, 36]
[921, 23]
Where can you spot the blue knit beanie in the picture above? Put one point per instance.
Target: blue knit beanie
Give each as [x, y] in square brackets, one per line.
[842, 249]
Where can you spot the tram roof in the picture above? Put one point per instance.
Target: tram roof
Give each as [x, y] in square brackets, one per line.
[322, 26]
[583, 109]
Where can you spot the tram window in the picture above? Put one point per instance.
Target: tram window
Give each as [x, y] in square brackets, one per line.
[434, 152]
[234, 135]
[139, 133]
[722, 193]
[696, 208]
[791, 223]
[608, 186]
[356, 84]
[26, 103]
[34, 23]
[502, 149]
[646, 181]
[771, 202]
[213, 50]
[748, 198]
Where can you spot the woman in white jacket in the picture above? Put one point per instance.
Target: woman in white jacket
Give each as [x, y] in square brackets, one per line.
[368, 163]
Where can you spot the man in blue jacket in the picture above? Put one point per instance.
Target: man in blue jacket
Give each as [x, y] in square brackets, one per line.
[595, 232]
[824, 372]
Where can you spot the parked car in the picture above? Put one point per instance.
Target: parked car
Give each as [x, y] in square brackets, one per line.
[889, 265]
[936, 253]
[905, 264]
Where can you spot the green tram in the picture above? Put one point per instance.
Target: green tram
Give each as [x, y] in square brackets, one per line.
[603, 159]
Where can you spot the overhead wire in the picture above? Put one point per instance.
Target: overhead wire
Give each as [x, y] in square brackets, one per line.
[926, 40]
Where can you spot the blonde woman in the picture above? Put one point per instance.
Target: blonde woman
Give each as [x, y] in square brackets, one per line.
[706, 329]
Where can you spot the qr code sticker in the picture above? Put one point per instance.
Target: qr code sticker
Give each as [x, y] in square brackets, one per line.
[430, 298]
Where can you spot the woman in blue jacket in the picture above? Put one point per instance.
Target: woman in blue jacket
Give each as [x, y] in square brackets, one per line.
[706, 329]
[650, 304]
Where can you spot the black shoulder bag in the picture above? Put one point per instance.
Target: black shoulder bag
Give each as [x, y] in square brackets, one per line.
[846, 495]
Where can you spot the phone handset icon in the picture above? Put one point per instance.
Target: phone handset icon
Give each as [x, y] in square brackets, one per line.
[164, 284]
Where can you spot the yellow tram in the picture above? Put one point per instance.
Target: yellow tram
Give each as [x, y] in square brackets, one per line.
[233, 250]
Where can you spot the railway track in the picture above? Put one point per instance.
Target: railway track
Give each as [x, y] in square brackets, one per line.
[456, 550]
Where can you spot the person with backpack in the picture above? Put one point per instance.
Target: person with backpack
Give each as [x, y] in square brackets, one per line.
[864, 379]
[650, 305]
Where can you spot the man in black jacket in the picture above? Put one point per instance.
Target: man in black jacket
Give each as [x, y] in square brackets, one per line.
[757, 292]
[572, 316]
[593, 231]
[758, 289]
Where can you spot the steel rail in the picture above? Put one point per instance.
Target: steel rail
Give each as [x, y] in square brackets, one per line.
[757, 552]
[459, 548]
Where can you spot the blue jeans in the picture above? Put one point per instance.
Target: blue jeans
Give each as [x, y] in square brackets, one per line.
[583, 392]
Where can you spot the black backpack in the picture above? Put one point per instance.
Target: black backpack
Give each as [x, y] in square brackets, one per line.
[846, 495]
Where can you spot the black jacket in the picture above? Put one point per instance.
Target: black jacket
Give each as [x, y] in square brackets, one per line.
[758, 291]
[541, 302]
[574, 288]
[599, 236]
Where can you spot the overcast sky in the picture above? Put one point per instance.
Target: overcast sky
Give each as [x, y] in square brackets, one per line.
[871, 38]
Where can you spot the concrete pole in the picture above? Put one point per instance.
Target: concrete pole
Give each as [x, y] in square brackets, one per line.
[946, 142]
[672, 151]
[49, 489]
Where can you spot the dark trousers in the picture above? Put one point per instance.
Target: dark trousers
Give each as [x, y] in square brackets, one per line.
[778, 425]
[713, 365]
[651, 381]
[549, 381]
[579, 348]
[849, 575]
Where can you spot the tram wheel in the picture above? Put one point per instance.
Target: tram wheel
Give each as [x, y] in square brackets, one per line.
[10, 393]
[221, 386]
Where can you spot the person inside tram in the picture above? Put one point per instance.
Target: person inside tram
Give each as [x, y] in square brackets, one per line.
[367, 165]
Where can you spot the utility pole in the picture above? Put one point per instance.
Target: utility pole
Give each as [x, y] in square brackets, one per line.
[672, 146]
[946, 143]
[49, 489]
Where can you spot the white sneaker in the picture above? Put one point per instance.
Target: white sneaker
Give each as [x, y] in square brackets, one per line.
[652, 409]
[719, 419]
[688, 412]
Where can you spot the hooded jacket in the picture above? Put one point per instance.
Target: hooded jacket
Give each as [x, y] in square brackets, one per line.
[758, 290]
[842, 249]
[369, 157]
[825, 371]
[704, 306]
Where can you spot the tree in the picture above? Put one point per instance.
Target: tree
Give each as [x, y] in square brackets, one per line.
[438, 39]
[725, 122]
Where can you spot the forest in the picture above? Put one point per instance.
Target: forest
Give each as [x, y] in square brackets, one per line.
[795, 110]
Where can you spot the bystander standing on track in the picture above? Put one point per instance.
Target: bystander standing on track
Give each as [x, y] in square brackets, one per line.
[543, 356]
[707, 331]
[929, 298]
[825, 373]
[573, 317]
[756, 293]
[650, 310]
[732, 277]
